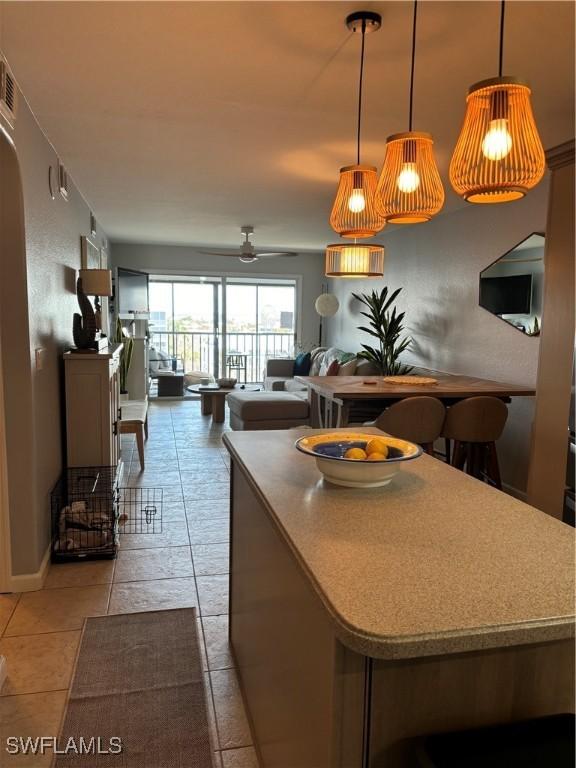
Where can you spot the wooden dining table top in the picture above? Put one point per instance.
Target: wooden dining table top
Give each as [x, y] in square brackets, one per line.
[449, 386]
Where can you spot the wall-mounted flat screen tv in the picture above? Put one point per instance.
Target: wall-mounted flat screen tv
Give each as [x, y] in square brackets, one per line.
[132, 291]
[510, 295]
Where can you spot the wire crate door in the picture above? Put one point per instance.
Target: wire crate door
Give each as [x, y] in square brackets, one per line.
[140, 510]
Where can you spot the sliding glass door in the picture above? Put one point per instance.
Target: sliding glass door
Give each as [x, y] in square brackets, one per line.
[184, 323]
[223, 326]
[259, 323]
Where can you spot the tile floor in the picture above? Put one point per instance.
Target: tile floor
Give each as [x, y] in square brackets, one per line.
[185, 565]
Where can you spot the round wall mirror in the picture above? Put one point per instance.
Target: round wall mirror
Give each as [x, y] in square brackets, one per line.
[512, 287]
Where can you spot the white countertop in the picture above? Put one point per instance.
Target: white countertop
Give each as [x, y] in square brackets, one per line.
[437, 562]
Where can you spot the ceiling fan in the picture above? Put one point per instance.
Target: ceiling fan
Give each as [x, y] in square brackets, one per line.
[247, 253]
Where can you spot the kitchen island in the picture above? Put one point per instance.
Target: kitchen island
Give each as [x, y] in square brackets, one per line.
[361, 619]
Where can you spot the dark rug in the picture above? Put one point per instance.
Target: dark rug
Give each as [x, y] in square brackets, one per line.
[138, 679]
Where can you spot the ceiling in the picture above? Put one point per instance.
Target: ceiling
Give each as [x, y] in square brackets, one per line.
[181, 121]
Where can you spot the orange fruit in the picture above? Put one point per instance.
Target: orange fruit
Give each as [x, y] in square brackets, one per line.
[377, 445]
[375, 456]
[355, 453]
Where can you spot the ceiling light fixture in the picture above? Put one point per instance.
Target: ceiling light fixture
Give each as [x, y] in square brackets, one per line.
[354, 260]
[409, 190]
[499, 154]
[354, 212]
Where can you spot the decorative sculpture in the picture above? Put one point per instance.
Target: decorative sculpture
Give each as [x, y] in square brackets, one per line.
[84, 325]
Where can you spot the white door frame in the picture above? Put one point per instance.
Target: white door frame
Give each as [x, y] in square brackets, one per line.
[5, 541]
[5, 550]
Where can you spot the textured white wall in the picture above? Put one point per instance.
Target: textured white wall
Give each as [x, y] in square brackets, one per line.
[174, 259]
[52, 233]
[438, 265]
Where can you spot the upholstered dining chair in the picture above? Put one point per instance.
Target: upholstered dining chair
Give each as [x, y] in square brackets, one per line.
[474, 425]
[418, 419]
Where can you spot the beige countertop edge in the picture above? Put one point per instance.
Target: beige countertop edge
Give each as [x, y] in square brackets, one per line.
[454, 642]
[417, 646]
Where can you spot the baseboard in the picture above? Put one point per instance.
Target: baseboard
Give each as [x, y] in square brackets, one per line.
[30, 582]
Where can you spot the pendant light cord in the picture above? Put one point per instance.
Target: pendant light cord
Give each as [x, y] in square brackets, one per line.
[412, 64]
[501, 52]
[360, 92]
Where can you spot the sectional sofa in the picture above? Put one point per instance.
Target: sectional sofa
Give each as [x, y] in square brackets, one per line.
[284, 402]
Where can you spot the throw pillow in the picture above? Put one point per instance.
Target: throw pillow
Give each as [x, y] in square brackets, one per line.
[302, 364]
[331, 354]
[153, 361]
[348, 368]
[164, 360]
[333, 368]
[317, 356]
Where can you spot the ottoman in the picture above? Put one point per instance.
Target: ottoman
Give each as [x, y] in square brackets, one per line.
[267, 410]
[171, 386]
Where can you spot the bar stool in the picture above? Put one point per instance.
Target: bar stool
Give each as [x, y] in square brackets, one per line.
[475, 424]
[542, 741]
[417, 419]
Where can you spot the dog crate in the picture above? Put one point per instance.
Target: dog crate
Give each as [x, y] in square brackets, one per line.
[90, 512]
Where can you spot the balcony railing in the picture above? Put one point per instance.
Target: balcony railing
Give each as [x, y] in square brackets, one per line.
[200, 351]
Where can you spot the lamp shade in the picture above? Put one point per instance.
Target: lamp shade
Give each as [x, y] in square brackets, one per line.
[96, 282]
[354, 260]
[327, 305]
[354, 212]
[409, 190]
[499, 155]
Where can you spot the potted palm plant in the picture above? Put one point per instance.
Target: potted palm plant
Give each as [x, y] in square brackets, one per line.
[386, 326]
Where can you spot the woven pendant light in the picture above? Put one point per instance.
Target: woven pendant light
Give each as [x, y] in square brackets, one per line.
[499, 155]
[409, 190]
[354, 213]
[354, 260]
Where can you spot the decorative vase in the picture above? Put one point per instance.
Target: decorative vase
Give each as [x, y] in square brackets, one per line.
[84, 325]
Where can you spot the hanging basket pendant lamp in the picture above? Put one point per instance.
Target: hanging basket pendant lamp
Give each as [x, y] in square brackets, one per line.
[354, 212]
[354, 260]
[410, 190]
[499, 154]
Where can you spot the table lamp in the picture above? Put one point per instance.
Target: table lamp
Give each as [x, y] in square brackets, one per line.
[97, 283]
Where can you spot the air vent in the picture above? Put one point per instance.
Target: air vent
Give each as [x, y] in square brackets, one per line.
[8, 93]
[63, 181]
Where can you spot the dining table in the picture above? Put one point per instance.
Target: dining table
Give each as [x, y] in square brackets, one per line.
[332, 397]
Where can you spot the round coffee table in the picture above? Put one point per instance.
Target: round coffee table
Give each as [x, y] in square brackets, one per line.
[212, 398]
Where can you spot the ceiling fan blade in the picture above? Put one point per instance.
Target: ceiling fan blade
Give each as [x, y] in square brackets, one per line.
[218, 253]
[276, 254]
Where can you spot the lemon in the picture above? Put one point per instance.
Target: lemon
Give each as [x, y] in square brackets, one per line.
[355, 453]
[377, 445]
[375, 456]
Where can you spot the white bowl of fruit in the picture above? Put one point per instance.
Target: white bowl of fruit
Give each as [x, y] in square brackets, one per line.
[358, 459]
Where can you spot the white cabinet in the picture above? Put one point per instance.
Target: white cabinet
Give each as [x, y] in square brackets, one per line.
[92, 407]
